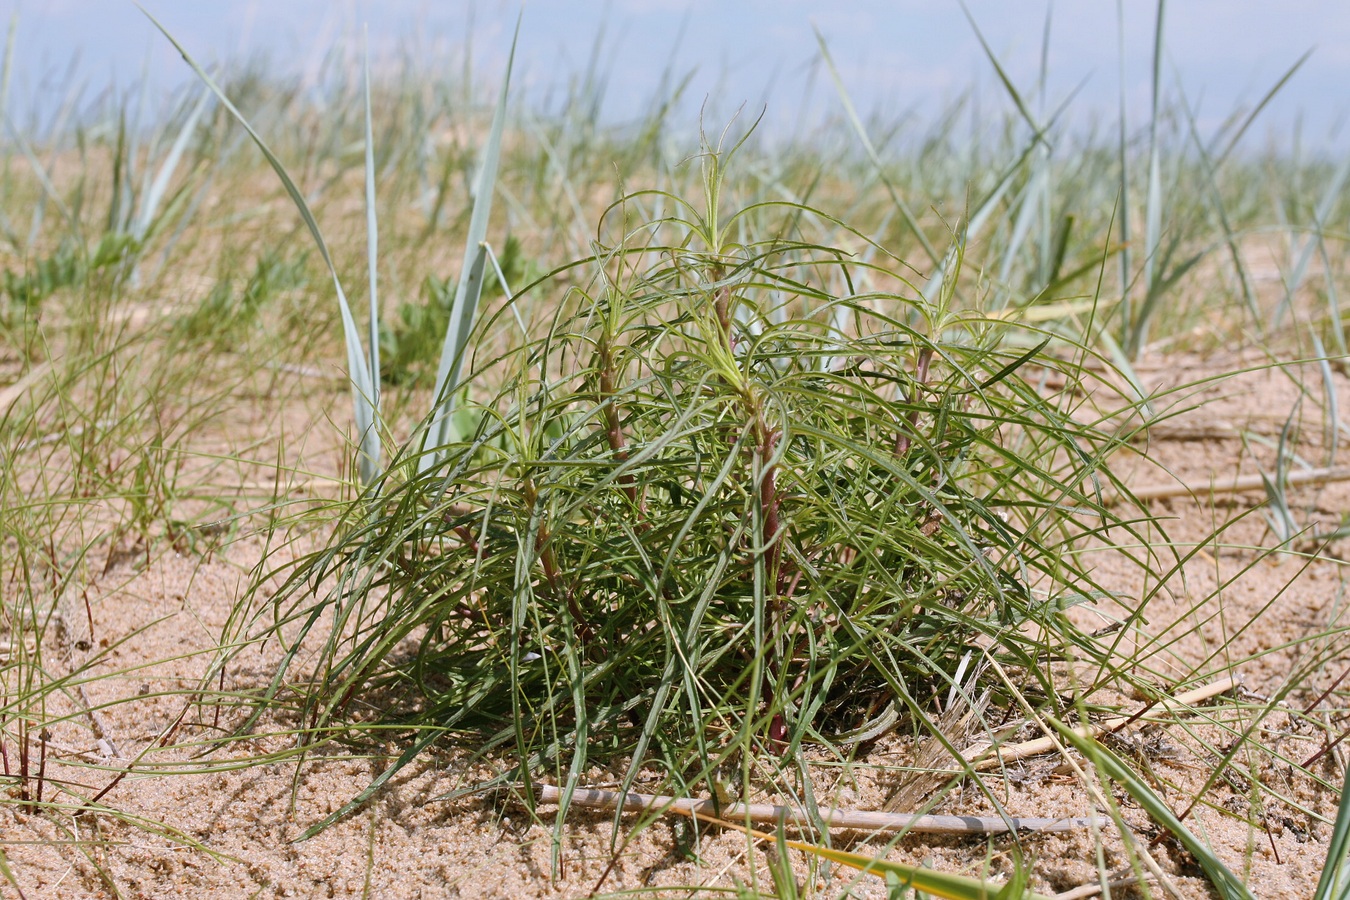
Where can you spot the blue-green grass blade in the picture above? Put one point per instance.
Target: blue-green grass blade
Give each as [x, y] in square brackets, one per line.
[1308, 244]
[1337, 329]
[1331, 414]
[1008, 86]
[470, 286]
[154, 194]
[370, 441]
[363, 388]
[1123, 199]
[1137, 336]
[1209, 166]
[905, 212]
[1261, 105]
[5, 73]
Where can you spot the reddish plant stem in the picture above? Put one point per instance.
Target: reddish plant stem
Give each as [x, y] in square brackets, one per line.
[722, 306]
[921, 381]
[547, 558]
[769, 502]
[1322, 696]
[23, 760]
[618, 445]
[43, 737]
[88, 612]
[551, 574]
[1308, 763]
[778, 734]
[465, 535]
[220, 690]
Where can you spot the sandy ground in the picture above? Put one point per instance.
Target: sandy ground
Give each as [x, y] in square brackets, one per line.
[181, 831]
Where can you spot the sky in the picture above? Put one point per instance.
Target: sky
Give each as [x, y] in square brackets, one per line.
[896, 57]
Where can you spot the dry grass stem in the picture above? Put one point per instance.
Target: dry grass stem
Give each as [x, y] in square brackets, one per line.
[1180, 705]
[1238, 485]
[842, 819]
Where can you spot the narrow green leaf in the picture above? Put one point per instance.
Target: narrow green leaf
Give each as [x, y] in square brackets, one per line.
[939, 884]
[1210, 167]
[465, 304]
[5, 74]
[363, 387]
[8, 69]
[1229, 886]
[154, 195]
[1335, 881]
[1307, 245]
[370, 441]
[1002, 75]
[1256, 110]
[1123, 200]
[1137, 336]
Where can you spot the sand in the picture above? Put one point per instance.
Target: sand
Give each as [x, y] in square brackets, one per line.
[195, 818]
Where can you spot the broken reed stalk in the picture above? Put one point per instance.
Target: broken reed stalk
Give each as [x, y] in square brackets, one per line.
[1236, 486]
[845, 819]
[980, 762]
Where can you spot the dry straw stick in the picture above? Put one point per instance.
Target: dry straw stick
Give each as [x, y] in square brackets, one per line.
[862, 820]
[1182, 703]
[1236, 486]
[849, 819]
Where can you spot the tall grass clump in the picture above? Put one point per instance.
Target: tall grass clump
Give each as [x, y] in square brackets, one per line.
[719, 503]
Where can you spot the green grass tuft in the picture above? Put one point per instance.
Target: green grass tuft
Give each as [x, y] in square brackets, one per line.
[723, 506]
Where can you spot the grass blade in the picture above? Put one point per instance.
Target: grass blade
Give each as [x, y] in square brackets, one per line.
[363, 387]
[1228, 885]
[1003, 75]
[902, 876]
[1335, 881]
[370, 440]
[1256, 110]
[905, 212]
[1123, 200]
[1307, 245]
[1137, 334]
[470, 286]
[154, 195]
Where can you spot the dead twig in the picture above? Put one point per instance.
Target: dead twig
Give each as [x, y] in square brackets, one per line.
[980, 759]
[76, 639]
[847, 819]
[1239, 485]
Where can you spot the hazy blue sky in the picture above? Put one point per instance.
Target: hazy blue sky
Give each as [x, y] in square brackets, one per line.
[895, 56]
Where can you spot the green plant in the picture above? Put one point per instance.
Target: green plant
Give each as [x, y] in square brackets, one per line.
[1112, 767]
[226, 312]
[698, 521]
[363, 359]
[409, 345]
[66, 267]
[744, 492]
[1335, 881]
